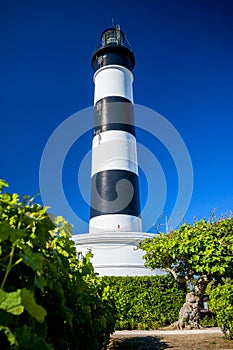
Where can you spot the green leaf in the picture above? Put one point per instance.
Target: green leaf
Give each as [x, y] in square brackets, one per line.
[11, 302]
[10, 336]
[29, 340]
[4, 231]
[32, 259]
[3, 184]
[14, 198]
[35, 310]
[7, 232]
[40, 282]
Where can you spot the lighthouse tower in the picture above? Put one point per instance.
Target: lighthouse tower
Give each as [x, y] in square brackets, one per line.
[115, 225]
[114, 192]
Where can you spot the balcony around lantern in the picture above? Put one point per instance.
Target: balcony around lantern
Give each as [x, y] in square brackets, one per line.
[113, 37]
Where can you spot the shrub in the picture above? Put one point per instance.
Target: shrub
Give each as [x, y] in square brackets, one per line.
[48, 298]
[221, 302]
[208, 320]
[144, 302]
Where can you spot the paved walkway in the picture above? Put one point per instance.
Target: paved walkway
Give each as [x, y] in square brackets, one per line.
[211, 330]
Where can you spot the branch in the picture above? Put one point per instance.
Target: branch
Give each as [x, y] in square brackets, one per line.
[202, 283]
[178, 278]
[9, 266]
[175, 275]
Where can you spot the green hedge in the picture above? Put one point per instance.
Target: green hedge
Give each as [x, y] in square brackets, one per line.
[221, 303]
[146, 302]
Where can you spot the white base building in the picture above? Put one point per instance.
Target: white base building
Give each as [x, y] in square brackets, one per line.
[115, 253]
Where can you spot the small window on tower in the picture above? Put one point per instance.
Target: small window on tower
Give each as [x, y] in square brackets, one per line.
[100, 60]
[99, 106]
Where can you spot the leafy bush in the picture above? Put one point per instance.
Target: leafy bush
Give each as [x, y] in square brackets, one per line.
[208, 320]
[146, 302]
[221, 302]
[194, 254]
[48, 298]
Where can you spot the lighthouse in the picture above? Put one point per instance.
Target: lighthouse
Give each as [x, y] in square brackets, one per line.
[115, 224]
[115, 204]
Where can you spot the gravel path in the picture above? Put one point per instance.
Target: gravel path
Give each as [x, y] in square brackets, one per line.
[203, 339]
[137, 333]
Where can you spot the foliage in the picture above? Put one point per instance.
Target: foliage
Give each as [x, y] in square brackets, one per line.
[208, 320]
[194, 254]
[193, 250]
[221, 302]
[144, 302]
[48, 298]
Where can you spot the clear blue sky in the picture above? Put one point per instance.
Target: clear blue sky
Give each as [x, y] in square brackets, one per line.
[184, 71]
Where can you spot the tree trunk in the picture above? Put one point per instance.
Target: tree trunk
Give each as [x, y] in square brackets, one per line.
[189, 314]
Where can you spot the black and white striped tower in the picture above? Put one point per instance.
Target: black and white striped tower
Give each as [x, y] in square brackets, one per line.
[115, 202]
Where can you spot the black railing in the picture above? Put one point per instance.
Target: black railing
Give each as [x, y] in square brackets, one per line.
[114, 42]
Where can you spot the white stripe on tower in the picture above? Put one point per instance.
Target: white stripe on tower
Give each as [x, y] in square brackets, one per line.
[113, 80]
[115, 192]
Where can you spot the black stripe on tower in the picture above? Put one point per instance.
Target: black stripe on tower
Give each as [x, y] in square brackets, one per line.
[104, 193]
[108, 57]
[114, 113]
